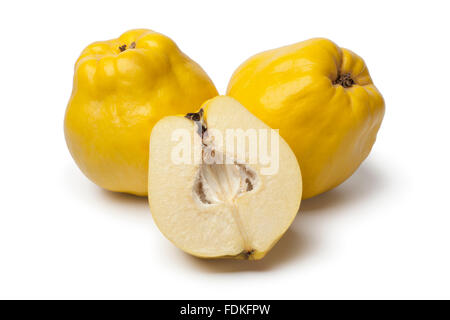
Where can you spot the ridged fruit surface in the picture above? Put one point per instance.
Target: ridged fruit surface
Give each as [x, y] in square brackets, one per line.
[322, 99]
[121, 88]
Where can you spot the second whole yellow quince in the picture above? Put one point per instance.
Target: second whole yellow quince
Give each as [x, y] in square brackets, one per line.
[322, 99]
[121, 88]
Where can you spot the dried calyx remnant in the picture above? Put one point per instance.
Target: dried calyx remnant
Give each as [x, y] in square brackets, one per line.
[345, 80]
[248, 254]
[122, 48]
[223, 182]
[197, 117]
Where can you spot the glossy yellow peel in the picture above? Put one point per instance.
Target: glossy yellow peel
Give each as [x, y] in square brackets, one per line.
[121, 88]
[322, 99]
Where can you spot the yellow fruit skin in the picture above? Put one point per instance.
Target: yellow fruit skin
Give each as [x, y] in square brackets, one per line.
[331, 129]
[118, 95]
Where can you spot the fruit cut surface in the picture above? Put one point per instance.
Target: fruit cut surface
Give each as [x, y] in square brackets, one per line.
[227, 208]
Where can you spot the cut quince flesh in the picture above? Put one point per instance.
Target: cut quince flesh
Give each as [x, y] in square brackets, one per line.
[211, 209]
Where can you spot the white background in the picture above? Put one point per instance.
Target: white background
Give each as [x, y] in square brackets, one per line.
[384, 233]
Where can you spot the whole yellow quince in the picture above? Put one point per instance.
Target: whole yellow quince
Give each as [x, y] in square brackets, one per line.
[121, 88]
[322, 100]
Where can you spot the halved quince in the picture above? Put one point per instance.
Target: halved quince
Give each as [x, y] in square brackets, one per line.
[213, 200]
